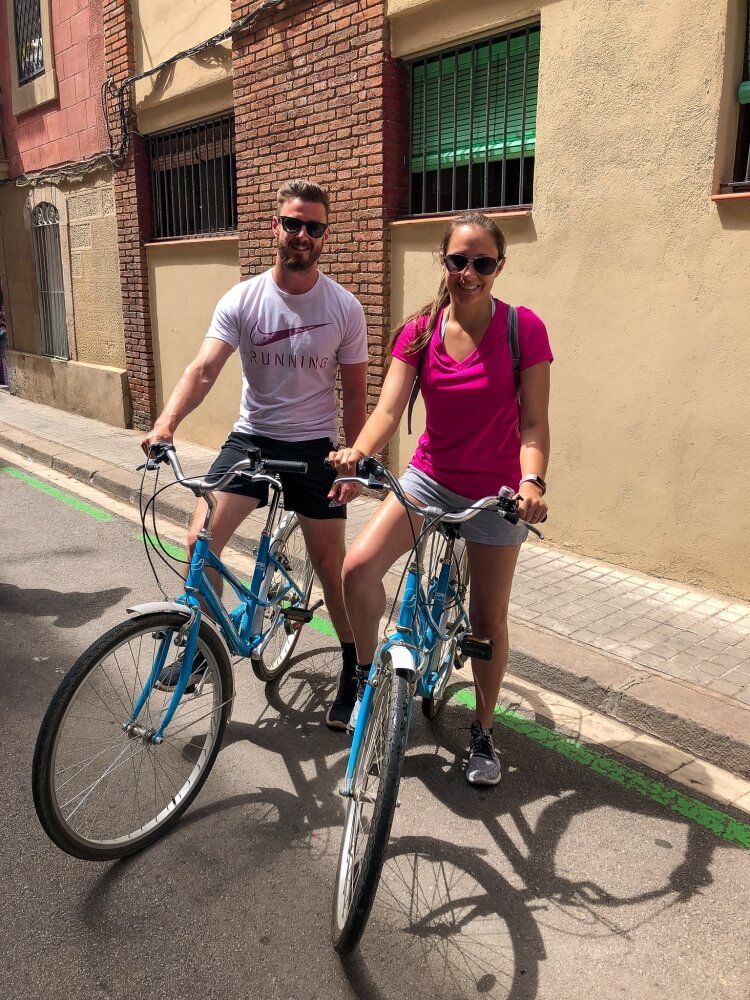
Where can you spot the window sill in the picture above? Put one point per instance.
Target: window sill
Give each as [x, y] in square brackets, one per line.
[511, 213]
[735, 196]
[190, 240]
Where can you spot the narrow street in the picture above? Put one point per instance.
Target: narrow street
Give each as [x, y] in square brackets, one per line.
[559, 884]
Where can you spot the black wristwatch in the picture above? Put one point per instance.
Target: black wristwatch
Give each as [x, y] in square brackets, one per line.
[533, 478]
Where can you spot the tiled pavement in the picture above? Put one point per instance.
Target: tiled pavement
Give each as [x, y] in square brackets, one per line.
[692, 636]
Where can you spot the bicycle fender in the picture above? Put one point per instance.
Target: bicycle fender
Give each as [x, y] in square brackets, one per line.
[182, 609]
[402, 662]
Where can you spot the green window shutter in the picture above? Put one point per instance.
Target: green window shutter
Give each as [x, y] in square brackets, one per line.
[477, 103]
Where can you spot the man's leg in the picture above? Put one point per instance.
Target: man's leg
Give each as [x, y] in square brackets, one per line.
[325, 545]
[324, 539]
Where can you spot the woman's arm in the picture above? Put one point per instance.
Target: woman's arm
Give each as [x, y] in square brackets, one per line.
[535, 443]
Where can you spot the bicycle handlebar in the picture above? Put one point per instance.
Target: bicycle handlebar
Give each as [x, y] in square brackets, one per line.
[254, 467]
[371, 474]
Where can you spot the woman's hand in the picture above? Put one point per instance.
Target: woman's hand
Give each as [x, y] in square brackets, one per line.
[344, 462]
[531, 505]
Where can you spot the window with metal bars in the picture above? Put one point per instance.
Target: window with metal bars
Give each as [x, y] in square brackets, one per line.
[193, 180]
[45, 237]
[473, 124]
[27, 19]
[741, 176]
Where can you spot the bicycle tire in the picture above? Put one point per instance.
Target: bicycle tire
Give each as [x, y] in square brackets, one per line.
[443, 658]
[356, 885]
[272, 658]
[114, 684]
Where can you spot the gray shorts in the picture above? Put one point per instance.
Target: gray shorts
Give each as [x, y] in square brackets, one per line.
[486, 527]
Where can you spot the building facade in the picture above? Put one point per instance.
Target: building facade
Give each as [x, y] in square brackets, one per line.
[614, 151]
[59, 265]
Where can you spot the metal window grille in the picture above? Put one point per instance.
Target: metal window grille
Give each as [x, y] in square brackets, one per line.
[741, 175]
[45, 233]
[473, 124]
[193, 180]
[27, 16]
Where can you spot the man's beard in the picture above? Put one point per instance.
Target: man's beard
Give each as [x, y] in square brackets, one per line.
[290, 260]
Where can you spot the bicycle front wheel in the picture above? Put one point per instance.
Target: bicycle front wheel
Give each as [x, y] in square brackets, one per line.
[272, 656]
[102, 792]
[370, 809]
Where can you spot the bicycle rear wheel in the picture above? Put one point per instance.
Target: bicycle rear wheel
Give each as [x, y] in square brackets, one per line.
[370, 809]
[445, 655]
[272, 657]
[101, 792]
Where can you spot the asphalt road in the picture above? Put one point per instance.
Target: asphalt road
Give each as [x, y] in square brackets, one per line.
[558, 884]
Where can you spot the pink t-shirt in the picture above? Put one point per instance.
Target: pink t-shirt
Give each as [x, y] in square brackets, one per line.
[472, 441]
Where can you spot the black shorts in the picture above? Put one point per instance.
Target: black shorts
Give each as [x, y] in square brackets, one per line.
[305, 494]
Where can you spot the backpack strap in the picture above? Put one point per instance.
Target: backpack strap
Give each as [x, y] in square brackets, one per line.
[415, 390]
[515, 349]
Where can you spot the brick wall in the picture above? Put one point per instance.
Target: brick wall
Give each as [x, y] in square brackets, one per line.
[132, 187]
[71, 127]
[317, 95]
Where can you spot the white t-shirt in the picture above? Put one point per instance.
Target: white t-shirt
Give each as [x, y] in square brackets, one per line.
[290, 346]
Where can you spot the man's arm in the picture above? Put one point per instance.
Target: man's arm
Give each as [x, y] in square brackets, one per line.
[190, 390]
[354, 392]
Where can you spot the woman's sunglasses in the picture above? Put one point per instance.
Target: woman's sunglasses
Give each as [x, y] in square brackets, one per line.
[457, 262]
[291, 225]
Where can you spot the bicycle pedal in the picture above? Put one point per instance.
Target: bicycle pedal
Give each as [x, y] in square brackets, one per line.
[476, 647]
[299, 616]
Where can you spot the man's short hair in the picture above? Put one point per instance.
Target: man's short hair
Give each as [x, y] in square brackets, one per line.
[305, 191]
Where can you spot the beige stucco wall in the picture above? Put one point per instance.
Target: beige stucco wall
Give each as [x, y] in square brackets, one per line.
[191, 88]
[19, 280]
[186, 280]
[641, 278]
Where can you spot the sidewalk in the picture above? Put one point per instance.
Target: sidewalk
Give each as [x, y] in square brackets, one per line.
[668, 660]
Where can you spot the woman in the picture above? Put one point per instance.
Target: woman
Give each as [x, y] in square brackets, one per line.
[480, 435]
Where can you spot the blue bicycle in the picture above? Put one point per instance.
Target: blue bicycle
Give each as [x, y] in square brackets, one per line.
[432, 636]
[132, 732]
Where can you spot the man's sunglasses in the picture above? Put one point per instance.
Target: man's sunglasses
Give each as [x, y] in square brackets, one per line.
[457, 262]
[291, 225]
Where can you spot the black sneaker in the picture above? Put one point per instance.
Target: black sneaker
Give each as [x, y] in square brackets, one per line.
[338, 715]
[483, 767]
[170, 675]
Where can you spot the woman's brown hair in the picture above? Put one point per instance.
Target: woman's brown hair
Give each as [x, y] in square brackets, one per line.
[431, 310]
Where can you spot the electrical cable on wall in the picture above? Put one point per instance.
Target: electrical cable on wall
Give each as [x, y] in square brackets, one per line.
[114, 98]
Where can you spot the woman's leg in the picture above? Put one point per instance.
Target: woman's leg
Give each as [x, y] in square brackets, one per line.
[491, 573]
[386, 537]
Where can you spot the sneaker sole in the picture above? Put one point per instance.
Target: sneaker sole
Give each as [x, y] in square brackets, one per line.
[336, 724]
[484, 781]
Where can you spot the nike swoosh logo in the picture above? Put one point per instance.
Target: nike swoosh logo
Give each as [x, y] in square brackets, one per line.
[262, 339]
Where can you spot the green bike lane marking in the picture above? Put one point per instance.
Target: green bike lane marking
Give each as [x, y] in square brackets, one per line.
[52, 491]
[713, 820]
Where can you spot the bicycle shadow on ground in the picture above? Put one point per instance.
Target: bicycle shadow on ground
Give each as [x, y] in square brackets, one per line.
[466, 920]
[70, 610]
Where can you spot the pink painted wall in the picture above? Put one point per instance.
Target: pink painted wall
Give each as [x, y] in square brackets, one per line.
[71, 127]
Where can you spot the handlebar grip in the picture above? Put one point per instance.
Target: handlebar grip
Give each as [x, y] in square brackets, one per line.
[369, 468]
[278, 465]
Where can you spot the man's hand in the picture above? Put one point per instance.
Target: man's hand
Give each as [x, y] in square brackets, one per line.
[344, 462]
[531, 505]
[157, 435]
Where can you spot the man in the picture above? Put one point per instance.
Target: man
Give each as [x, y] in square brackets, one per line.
[293, 326]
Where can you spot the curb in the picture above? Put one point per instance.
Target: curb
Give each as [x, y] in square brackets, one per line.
[700, 722]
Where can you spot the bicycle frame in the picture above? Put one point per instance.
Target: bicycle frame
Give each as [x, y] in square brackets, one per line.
[417, 630]
[236, 626]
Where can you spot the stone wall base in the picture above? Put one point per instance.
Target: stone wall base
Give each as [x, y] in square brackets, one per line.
[95, 391]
